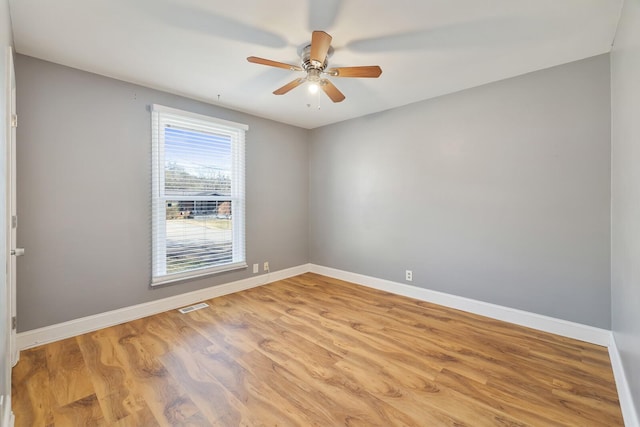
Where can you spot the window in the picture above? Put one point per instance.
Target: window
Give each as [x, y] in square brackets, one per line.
[198, 195]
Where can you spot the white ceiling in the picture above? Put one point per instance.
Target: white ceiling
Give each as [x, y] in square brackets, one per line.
[426, 48]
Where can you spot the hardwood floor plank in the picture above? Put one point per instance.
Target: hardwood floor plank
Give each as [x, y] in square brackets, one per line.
[166, 398]
[505, 405]
[423, 403]
[122, 404]
[142, 417]
[31, 397]
[68, 376]
[82, 412]
[316, 351]
[316, 408]
[220, 406]
[107, 373]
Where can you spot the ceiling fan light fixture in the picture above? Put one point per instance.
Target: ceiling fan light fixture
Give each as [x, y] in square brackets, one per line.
[314, 79]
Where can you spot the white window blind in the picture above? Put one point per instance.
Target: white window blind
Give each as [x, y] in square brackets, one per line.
[198, 197]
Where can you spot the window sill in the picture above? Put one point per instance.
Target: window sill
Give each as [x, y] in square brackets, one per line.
[197, 274]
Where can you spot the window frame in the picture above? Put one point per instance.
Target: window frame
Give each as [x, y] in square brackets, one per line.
[162, 116]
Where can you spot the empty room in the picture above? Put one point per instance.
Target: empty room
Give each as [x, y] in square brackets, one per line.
[320, 213]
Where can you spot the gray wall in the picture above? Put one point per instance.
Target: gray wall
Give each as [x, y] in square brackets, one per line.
[84, 206]
[625, 193]
[498, 193]
[5, 369]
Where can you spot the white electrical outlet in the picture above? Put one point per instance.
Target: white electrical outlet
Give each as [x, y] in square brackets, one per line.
[265, 267]
[408, 275]
[256, 268]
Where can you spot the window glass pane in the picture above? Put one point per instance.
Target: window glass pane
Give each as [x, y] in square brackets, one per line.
[197, 163]
[199, 234]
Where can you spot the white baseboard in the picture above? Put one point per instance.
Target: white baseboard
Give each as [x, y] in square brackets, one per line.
[561, 327]
[83, 325]
[629, 412]
[6, 417]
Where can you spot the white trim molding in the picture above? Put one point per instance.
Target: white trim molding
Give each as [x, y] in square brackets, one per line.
[629, 412]
[6, 418]
[83, 325]
[92, 323]
[552, 325]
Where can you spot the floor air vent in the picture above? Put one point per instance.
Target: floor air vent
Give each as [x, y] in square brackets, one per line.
[191, 308]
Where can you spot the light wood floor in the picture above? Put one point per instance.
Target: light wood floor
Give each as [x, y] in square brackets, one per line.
[314, 351]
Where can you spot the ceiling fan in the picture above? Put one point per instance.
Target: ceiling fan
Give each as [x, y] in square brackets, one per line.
[314, 61]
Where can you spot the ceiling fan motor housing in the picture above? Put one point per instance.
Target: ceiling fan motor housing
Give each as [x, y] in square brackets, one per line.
[308, 64]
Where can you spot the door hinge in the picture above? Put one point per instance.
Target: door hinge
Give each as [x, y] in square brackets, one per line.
[14, 322]
[14, 120]
[14, 221]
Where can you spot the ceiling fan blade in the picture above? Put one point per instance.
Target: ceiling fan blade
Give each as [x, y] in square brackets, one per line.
[320, 43]
[291, 85]
[372, 71]
[256, 60]
[331, 91]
